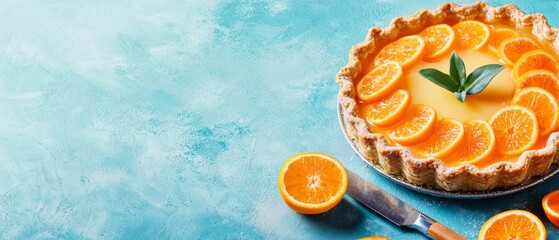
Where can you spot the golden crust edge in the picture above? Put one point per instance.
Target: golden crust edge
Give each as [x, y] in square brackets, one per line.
[432, 172]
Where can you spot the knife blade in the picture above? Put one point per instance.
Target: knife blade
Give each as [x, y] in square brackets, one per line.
[395, 210]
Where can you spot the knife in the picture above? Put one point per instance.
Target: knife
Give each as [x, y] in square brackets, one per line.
[395, 210]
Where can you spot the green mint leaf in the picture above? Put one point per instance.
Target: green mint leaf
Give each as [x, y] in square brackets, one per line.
[480, 78]
[441, 79]
[457, 69]
[461, 96]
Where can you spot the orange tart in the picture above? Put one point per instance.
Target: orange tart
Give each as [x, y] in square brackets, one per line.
[461, 98]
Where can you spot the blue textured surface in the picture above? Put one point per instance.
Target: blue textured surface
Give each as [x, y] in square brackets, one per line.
[170, 120]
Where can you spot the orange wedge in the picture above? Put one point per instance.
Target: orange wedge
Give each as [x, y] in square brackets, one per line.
[537, 59]
[550, 205]
[417, 125]
[542, 104]
[380, 82]
[446, 138]
[312, 183]
[406, 51]
[470, 35]
[516, 129]
[438, 40]
[498, 35]
[539, 78]
[513, 224]
[511, 49]
[478, 143]
[389, 109]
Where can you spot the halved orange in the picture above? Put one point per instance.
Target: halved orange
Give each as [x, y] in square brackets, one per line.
[511, 49]
[539, 78]
[438, 40]
[478, 143]
[537, 59]
[389, 109]
[516, 129]
[446, 138]
[470, 35]
[380, 81]
[417, 125]
[406, 51]
[312, 183]
[497, 35]
[513, 224]
[550, 205]
[542, 104]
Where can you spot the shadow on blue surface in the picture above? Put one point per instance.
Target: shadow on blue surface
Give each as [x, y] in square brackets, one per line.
[346, 215]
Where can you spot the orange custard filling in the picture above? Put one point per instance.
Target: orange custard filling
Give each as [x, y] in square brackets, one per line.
[496, 96]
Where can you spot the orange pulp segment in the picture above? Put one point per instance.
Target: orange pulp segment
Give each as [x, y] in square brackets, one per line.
[497, 35]
[446, 138]
[417, 125]
[511, 49]
[470, 35]
[516, 129]
[478, 143]
[406, 51]
[542, 104]
[312, 183]
[389, 109]
[438, 40]
[537, 59]
[380, 81]
[539, 78]
[550, 204]
[513, 224]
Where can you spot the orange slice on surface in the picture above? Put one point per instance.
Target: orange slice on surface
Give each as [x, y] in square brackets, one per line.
[406, 51]
[446, 138]
[515, 128]
[312, 183]
[470, 35]
[550, 205]
[513, 224]
[497, 35]
[478, 143]
[389, 109]
[380, 81]
[539, 78]
[438, 40]
[417, 125]
[511, 49]
[537, 59]
[542, 104]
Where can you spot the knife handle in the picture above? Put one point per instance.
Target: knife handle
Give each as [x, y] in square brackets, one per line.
[441, 232]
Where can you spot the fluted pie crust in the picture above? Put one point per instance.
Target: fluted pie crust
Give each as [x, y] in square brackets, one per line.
[432, 172]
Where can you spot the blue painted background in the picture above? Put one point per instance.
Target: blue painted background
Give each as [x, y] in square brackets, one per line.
[171, 119]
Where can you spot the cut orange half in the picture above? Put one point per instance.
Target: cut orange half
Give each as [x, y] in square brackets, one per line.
[537, 59]
[446, 138]
[389, 109]
[511, 49]
[542, 104]
[550, 205]
[417, 125]
[478, 143]
[516, 129]
[406, 51]
[513, 224]
[470, 35]
[497, 35]
[380, 82]
[438, 41]
[312, 183]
